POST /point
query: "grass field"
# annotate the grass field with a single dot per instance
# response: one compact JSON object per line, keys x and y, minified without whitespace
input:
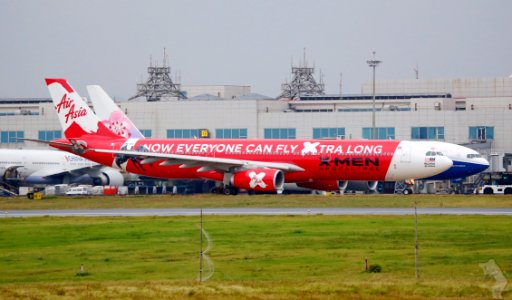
{"x":208,"y":201}
{"x":256,"y":257}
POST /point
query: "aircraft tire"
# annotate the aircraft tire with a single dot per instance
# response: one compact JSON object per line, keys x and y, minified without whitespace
{"x":228,"y":191}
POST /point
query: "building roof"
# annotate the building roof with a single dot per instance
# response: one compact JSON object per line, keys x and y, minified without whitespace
{"x":205,"y":97}
{"x":254,"y":96}
{"x":25,"y":100}
{"x":377,"y":97}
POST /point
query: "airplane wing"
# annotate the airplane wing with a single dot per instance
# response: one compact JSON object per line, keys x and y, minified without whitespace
{"x":77,"y":171}
{"x":50,"y":143}
{"x":205,"y":163}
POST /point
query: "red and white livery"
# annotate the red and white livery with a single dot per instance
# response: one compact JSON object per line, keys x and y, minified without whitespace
{"x":259,"y":164}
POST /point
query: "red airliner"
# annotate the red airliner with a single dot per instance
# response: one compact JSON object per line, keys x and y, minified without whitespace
{"x":256,"y":165}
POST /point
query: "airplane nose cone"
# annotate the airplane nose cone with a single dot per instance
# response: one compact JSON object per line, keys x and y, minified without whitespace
{"x":443,"y":163}
{"x":483,"y":164}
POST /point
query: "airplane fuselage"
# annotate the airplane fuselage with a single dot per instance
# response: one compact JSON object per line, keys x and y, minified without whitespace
{"x":386,"y":160}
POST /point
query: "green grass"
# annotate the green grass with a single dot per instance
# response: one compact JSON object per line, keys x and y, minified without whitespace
{"x":258,"y":257}
{"x":208,"y":201}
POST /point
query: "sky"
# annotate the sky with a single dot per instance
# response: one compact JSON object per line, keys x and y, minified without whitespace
{"x":243,"y":42}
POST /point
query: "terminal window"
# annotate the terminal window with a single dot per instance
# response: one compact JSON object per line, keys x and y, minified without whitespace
{"x":280,"y":133}
{"x":11,"y":137}
{"x":231,"y":133}
{"x":48,"y":135}
{"x":183,"y":133}
{"x":427,"y":133}
{"x":146,"y":132}
{"x":381,"y":133}
{"x":481,"y":133}
{"x":328,"y":132}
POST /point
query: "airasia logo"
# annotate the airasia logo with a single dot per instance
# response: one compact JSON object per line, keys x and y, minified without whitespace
{"x":69,"y":104}
{"x":257,"y":180}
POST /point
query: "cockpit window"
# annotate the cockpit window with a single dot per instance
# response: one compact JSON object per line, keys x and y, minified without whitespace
{"x":474,"y":155}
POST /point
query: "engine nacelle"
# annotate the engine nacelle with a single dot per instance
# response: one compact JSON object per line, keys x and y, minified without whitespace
{"x":324,"y":185}
{"x":109,"y":177}
{"x":267,"y":180}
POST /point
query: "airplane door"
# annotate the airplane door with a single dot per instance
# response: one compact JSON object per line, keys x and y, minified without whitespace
{"x":405,"y":153}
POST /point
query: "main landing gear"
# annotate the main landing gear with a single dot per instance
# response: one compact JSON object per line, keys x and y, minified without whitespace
{"x":226,"y":190}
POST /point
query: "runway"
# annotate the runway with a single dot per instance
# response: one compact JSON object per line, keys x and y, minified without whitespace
{"x":135,"y":212}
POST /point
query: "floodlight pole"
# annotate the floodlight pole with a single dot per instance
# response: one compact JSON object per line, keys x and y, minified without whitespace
{"x":373,"y":63}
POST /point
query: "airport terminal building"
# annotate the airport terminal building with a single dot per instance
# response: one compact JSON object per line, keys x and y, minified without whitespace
{"x":472,"y":112}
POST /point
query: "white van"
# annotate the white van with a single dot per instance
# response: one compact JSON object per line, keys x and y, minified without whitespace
{"x":76,"y":191}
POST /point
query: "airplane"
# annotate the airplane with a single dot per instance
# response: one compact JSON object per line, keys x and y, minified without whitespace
{"x":31,"y":167}
{"x":254,"y":165}
{"x":466,"y":161}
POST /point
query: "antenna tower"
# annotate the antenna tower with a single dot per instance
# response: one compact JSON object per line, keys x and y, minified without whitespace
{"x":159,"y":83}
{"x":303,"y":83}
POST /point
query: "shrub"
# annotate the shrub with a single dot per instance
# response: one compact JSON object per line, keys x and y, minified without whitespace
{"x":374,"y":268}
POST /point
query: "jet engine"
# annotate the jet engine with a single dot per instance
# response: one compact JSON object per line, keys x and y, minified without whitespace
{"x":324,"y":185}
{"x":109,"y":177}
{"x":267,"y":180}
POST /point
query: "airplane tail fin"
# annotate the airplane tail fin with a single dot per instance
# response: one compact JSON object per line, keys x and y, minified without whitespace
{"x":75,"y":116}
{"x":111,"y":115}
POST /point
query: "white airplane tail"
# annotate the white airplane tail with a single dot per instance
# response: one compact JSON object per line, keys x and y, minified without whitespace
{"x":111,"y":115}
{"x":75,"y":116}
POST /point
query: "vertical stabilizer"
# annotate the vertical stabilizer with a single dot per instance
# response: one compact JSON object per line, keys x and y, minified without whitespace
{"x":75,"y":116}
{"x":111,"y":115}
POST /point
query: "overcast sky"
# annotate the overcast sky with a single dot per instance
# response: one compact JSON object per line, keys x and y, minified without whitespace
{"x":241,"y":42}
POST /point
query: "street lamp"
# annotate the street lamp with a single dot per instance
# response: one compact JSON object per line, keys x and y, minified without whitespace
{"x":373,"y":63}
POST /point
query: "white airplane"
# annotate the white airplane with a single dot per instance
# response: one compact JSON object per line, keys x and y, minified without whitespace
{"x":29,"y":167}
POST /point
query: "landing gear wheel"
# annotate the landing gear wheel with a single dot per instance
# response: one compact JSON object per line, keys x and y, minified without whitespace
{"x":229,"y":190}
{"x":407,"y":192}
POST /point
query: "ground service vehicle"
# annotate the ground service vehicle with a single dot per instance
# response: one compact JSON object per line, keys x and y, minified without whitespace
{"x":496,"y":183}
